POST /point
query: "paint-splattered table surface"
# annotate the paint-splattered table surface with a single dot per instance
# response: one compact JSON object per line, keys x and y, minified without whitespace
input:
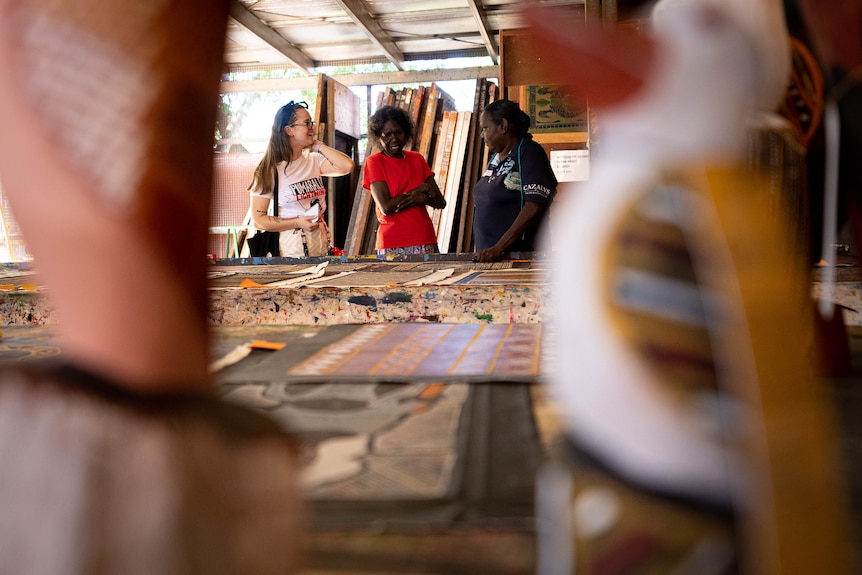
{"x":335,"y":291}
{"x":336,"y":273}
{"x":442,"y":270}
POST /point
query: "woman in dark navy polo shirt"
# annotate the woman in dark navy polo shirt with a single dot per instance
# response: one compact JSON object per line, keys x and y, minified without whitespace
{"x":512,"y":196}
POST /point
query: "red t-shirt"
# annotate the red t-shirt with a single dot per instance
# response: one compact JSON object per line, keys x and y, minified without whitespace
{"x":413,"y":226}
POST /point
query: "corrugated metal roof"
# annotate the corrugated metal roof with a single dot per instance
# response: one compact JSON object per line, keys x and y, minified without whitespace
{"x":310,"y":34}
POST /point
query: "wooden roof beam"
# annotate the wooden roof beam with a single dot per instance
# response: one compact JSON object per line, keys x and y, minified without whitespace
{"x":245,"y":18}
{"x":362,"y":17}
{"x":482,"y":20}
{"x":368,"y":79}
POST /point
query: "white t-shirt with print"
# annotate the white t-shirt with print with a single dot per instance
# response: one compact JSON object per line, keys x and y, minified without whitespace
{"x":299,"y":184}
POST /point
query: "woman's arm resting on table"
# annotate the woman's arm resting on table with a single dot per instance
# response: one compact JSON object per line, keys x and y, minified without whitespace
{"x":526,"y":216}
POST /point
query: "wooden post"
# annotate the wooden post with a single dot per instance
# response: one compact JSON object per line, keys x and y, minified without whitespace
{"x":594,"y":11}
{"x":609,"y":13}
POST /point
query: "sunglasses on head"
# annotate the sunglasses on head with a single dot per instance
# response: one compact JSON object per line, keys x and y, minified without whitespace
{"x":285,"y":113}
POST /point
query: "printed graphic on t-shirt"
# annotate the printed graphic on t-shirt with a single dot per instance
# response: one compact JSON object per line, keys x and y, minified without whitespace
{"x":307,"y":190}
{"x":537,"y":190}
{"x":498,"y":170}
{"x":512,"y":181}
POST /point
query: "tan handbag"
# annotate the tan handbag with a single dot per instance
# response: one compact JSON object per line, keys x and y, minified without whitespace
{"x":317,"y":241}
{"x":290,"y":244}
{"x":300,"y":243}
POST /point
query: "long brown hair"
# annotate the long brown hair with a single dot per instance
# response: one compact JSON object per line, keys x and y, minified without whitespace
{"x":278,"y":148}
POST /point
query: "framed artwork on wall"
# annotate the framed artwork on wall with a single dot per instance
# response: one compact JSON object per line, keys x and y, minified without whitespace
{"x":554,"y":108}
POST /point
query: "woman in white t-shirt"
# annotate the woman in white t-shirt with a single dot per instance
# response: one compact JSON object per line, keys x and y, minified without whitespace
{"x":297,"y":161}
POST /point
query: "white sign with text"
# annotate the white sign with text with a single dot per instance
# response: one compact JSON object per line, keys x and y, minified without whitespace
{"x":571,"y":165}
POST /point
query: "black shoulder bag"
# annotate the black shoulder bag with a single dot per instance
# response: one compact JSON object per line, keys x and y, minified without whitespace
{"x":263,"y":243}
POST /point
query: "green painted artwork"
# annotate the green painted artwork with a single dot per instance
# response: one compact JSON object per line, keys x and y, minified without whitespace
{"x":555,"y":108}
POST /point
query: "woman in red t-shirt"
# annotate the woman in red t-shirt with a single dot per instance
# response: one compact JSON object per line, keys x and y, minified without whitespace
{"x":402,"y":184}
